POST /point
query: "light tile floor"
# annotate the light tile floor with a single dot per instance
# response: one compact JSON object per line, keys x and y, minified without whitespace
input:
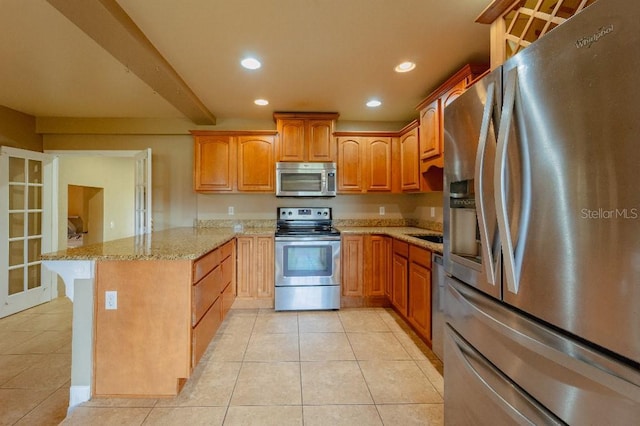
{"x":347,"y":367}
{"x":35,"y":365}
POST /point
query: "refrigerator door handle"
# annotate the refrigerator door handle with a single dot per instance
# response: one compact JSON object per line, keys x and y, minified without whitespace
{"x":485,"y":129}
{"x":500,"y":184}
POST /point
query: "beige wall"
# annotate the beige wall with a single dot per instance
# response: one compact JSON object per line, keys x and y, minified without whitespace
{"x":18,"y":130}
{"x":263,"y":206}
{"x":176,"y":204}
{"x":115,"y":175}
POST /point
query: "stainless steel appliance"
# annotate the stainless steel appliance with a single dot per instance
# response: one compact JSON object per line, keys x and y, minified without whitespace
{"x":542,"y":231}
{"x":305,"y":179}
{"x":307,"y":252}
{"x":437,"y":305}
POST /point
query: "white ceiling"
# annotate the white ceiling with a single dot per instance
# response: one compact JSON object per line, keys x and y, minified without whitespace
{"x":317,"y":55}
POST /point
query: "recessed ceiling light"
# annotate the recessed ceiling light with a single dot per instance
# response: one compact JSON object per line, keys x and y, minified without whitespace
{"x":405,"y":67}
{"x":374,"y":103}
{"x":261,"y":102}
{"x":251,"y":63}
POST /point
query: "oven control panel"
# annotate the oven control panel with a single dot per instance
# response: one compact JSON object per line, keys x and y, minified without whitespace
{"x":304,"y":213}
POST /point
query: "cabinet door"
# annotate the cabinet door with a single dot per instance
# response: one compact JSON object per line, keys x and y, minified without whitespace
{"x":256,"y":166}
{"x":321,"y":146}
{"x":291,"y":133}
{"x":350,"y":164}
{"x":352,"y":252}
{"x":377,"y":263}
{"x":214,"y":163}
{"x":245,"y":266}
{"x":400,"y":266}
{"x":255,"y":267}
{"x":420,"y":298}
{"x":378,"y":164}
{"x":265,"y":263}
{"x":409,"y":164}
{"x":430,"y":138}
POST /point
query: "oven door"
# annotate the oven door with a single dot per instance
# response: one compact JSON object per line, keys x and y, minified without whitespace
{"x":307,"y":261}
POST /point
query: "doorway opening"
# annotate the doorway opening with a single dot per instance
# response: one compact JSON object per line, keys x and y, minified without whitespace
{"x":85,"y":215}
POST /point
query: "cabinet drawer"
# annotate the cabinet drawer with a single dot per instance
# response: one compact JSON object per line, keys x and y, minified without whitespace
{"x":205,"y":293}
{"x":204,"y":331}
{"x":401,"y":248}
{"x":206,"y":263}
{"x":228,"y":297}
{"x":227,"y":270}
{"x":226,"y":250}
{"x":420,"y":256}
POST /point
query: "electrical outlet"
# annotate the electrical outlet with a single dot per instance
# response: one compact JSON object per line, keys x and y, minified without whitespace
{"x":381,"y":210}
{"x":111,"y":300}
{"x":231,"y":211}
{"x":433,"y":212}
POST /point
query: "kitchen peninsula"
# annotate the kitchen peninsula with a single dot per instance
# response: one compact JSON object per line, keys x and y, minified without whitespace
{"x":146,"y":307}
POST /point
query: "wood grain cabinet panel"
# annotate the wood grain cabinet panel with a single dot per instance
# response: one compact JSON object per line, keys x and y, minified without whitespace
{"x":256,"y":165}
{"x":431,"y":116}
{"x":351,"y":164}
{"x":234,"y":161}
{"x":430,"y":140}
{"x":255,"y":271}
{"x":168,"y":311}
{"x":352,"y":253}
{"x":409,"y":161}
{"x":305,"y":136}
{"x":399,"y":269}
{"x":214,"y":163}
{"x":365,"y":163}
{"x":419,"y":309}
{"x":377,"y":283}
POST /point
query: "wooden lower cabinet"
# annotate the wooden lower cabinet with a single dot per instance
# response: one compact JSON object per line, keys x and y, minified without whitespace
{"x":365,"y":270}
{"x":377,"y":266}
{"x":419,"y":309}
{"x":255,"y":271}
{"x":167,"y":313}
{"x":400,"y":277}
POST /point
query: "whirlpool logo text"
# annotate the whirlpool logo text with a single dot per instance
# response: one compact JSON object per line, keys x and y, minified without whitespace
{"x":589,"y":40}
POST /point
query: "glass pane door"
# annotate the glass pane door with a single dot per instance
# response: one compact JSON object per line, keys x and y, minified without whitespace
{"x":22,"y":230}
{"x":143,"y":221}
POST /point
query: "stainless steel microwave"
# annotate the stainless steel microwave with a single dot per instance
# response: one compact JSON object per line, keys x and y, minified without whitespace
{"x":305,"y":179}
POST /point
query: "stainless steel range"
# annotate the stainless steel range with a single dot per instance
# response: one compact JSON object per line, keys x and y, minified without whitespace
{"x":307,"y":260}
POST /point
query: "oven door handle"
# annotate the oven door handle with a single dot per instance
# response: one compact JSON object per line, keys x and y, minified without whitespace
{"x":306,"y":239}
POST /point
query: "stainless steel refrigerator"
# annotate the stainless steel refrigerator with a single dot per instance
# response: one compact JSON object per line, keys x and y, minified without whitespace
{"x":542,"y":231}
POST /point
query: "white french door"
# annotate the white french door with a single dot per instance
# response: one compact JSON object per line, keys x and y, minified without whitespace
{"x":143,"y":220}
{"x":26,"y":220}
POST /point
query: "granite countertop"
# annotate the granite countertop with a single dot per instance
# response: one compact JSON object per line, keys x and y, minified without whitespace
{"x":402,"y":233}
{"x":191,"y":243}
{"x":170,"y":244}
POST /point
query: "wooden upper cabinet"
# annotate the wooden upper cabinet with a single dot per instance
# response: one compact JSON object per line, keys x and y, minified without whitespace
{"x":291,"y":136}
{"x":232,"y":161}
{"x":378,"y":164}
{"x":365,"y":162}
{"x":350,"y":164}
{"x":256,"y":166}
{"x":321,"y":145}
{"x":214,"y":163}
{"x":431,"y":114}
{"x":305,"y":137}
{"x":430,"y":130}
{"x":409,"y":160}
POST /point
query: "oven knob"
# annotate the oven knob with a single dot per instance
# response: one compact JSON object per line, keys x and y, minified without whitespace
{"x":325,"y":213}
{"x":290,"y":213}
